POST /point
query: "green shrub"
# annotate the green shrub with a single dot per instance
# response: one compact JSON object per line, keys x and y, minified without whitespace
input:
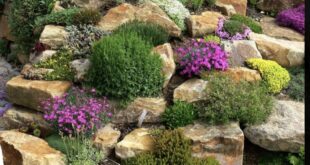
{"x":55,"y":141}
{"x":3,"y":47}
{"x":195,"y":4}
{"x":71,"y":16}
{"x":299,"y":159}
{"x":141,"y":159}
{"x":152,"y":33}
{"x":60,"y":63}
{"x":252,"y":2}
{"x":211,"y":3}
{"x":212,"y":38}
{"x":179,"y":115}
{"x":21,"y":20}
{"x":296,"y":87}
{"x":275,"y":76}
{"x":253,"y":25}
{"x":123,"y":67}
{"x":248,"y":103}
{"x":273,"y":158}
{"x":233,"y":27}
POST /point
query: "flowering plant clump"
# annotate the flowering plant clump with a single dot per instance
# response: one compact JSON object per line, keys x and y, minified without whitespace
{"x":224,"y":34}
{"x":201,"y":55}
{"x":294,"y":17}
{"x":76,"y":111}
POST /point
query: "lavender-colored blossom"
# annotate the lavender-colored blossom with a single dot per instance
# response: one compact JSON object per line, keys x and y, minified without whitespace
{"x":220,"y":31}
{"x":200,"y":55}
{"x":294,"y":18}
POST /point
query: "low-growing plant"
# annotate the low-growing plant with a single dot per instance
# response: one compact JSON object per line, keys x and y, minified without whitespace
{"x":294,"y":18}
{"x":200,"y":55}
{"x":150,"y":32}
{"x":211,"y":3}
{"x":71,"y":16}
{"x":180,"y":114}
{"x":296,"y":87}
{"x":246,"y":102}
{"x":143,"y":159}
{"x":77,"y":111}
{"x":60,"y":63}
{"x":297,"y":159}
{"x":123,"y":67}
{"x":275,"y":76}
{"x":195,"y":4}
{"x":249,"y":22}
{"x":232,"y":30}
{"x":81,"y":38}
{"x":212,"y":38}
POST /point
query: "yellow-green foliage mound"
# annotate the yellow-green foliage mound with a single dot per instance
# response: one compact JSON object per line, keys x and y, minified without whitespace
{"x":275,"y":76}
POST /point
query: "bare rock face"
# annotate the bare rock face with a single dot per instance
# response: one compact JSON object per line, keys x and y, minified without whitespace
{"x":136,"y":142}
{"x":239,"y":5}
{"x":43,"y":56}
{"x":19,"y":148}
{"x":155,"y":107}
{"x":18,"y":117}
{"x":240,"y":50}
{"x":80,"y":66}
{"x":278,"y":5}
{"x":271,"y":29}
{"x":226,"y":9}
{"x":106,"y":139}
{"x":190,"y":91}
{"x":286,"y":53}
{"x":30,"y":93}
{"x":284,"y":130}
{"x":224,"y":142}
{"x":166,"y":54}
{"x":145,"y":12}
{"x":200,"y":25}
{"x":53,"y":36}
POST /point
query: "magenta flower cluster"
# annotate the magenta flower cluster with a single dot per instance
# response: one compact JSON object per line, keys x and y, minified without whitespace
{"x":220,"y":31}
{"x":199,"y":55}
{"x":76,"y":111}
{"x":294,"y":18}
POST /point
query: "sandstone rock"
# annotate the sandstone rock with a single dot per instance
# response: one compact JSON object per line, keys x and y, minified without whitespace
{"x":190,"y":91}
{"x":53,"y":36}
{"x":226,"y":9}
{"x":240,"y":50}
{"x":117,"y":16}
{"x":80,"y":67}
{"x":20,"y":148}
{"x":106,"y":139}
{"x":239,"y":5}
{"x":199,"y":25}
{"x":43,"y":56}
{"x":57,"y":7}
{"x":18,"y":117}
{"x":278,"y":5}
{"x":271,"y":28}
{"x":286,"y":53}
{"x":224,"y":142}
{"x":92,"y":4}
{"x":154,"y":107}
{"x":30,"y":93}
{"x":136,"y":142}
{"x":166,"y":54}
{"x":150,"y":12}
{"x":32,"y":73}
{"x":284,"y":130}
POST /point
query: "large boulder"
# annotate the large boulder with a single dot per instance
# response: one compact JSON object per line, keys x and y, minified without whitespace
{"x":190,"y":91}
{"x":286,"y":53}
{"x":53,"y":36}
{"x":224,"y":142}
{"x":239,"y":51}
{"x":42,"y":56}
{"x":200,"y":25}
{"x":30,"y":93}
{"x":284,"y":130}
{"x":226,"y":9}
{"x":106,"y":139}
{"x":80,"y":67}
{"x":22,"y":149}
{"x":154,"y":107}
{"x":278,"y":5}
{"x":166,"y":54}
{"x":239,"y":5}
{"x":136,"y":142}
{"x":18,"y":117}
{"x":271,"y":28}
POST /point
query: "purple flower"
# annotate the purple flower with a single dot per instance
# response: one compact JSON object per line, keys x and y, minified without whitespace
{"x":294,"y":18}
{"x":225,"y":35}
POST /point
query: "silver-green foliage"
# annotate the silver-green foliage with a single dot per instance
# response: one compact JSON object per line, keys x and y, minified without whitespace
{"x":81,"y":38}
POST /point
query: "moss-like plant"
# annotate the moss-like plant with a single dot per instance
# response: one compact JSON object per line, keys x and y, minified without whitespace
{"x":233,"y":27}
{"x":179,"y":115}
{"x":248,"y":103}
{"x":212,"y":38}
{"x":296,"y":87}
{"x":275,"y":76}
{"x":60,"y":63}
{"x":254,"y":26}
{"x":123,"y":67}
{"x":150,"y":32}
{"x":143,"y":159}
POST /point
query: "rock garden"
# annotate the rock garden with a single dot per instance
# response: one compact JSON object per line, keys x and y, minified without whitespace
{"x":152,"y":82}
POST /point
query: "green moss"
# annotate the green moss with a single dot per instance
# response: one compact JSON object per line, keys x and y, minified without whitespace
{"x":253,"y":25}
{"x":296,"y":87}
{"x":233,"y":27}
{"x":212,"y":38}
{"x":275,"y":76}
